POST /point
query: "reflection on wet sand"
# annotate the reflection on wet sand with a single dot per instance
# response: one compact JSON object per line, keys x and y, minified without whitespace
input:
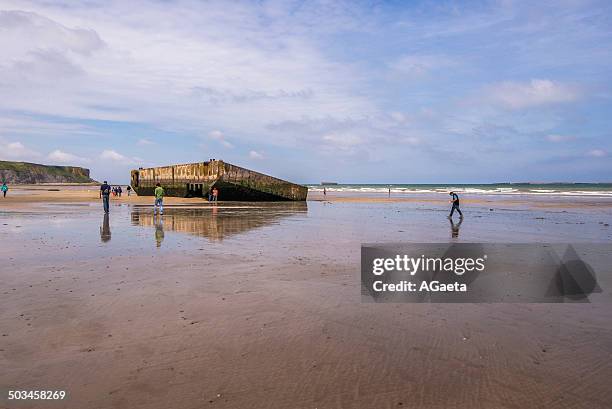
{"x":214,"y":222}
{"x":158,"y":221}
{"x":455,"y":227}
{"x":105,"y":232}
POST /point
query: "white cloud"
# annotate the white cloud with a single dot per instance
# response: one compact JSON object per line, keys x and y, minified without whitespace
{"x":17,"y":151}
{"x":62,"y":157}
{"x":25,"y":30}
{"x":145,"y":142}
{"x":224,"y":64}
{"x":560,"y":138}
{"x":346,"y":142}
{"x":24,"y":125}
{"x":216,"y":134}
{"x":597,"y":153}
{"x":256,"y":155}
{"x":419,"y":65}
{"x":348,"y":136}
{"x":411,"y":140}
{"x":518,"y":95}
{"x":398,"y":117}
{"x":112,"y":155}
{"x":220,"y":137}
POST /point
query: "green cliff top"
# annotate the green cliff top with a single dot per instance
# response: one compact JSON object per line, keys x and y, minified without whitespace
{"x":41,"y":173}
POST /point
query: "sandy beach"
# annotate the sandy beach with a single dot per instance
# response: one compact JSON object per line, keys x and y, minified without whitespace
{"x":257,"y":305}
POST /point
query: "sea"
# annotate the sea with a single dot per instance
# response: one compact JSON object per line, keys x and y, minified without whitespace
{"x":549,"y":189}
{"x":541,"y":189}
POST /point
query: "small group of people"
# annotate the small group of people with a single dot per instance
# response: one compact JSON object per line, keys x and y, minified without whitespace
{"x":106,"y":190}
{"x":4,"y":189}
{"x":116,"y":190}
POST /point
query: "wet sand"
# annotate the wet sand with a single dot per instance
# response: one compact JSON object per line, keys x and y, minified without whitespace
{"x":250,"y":305}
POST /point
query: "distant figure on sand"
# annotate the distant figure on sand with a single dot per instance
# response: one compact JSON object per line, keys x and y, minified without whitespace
{"x":159,"y":199}
{"x":215,"y":194}
{"x":105,"y":191}
{"x":455,"y":201}
{"x":129,"y":189}
{"x":4,"y":189}
{"x":324,"y":192}
{"x":389,"y":191}
{"x":119,"y":190}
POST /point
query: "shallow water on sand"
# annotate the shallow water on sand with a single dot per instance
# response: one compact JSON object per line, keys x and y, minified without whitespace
{"x":273,"y":233}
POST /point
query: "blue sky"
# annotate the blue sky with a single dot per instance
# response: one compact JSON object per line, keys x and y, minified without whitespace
{"x":371,"y":92}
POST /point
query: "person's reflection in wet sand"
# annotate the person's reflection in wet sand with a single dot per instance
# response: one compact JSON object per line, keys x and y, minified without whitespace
{"x":455,"y":227}
{"x":218,"y":222}
{"x":105,"y":232}
{"x":159,"y":229}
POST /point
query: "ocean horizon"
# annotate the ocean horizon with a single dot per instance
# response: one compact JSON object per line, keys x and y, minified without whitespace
{"x":560,"y":189}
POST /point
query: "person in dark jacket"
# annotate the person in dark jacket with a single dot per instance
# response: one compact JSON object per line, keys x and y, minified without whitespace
{"x":455,"y":201}
{"x":105,"y":191}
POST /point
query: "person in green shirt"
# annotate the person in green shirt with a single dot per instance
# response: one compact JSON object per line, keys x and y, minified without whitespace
{"x":159,"y":199}
{"x":4,"y":189}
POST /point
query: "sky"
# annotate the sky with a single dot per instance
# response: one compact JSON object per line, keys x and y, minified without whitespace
{"x":310,"y":91}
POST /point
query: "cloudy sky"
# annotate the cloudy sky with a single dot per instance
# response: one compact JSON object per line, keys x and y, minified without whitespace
{"x":379,"y":92}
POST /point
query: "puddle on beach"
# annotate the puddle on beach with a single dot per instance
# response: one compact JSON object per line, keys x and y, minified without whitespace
{"x":67,"y":230}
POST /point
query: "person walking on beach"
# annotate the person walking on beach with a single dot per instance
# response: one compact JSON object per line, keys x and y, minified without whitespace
{"x":105,"y":191}
{"x":4,"y":189}
{"x":159,"y":199}
{"x":129,"y":189}
{"x":215,"y":194}
{"x":455,"y":201}
{"x":119,"y":190}
{"x":324,"y":192}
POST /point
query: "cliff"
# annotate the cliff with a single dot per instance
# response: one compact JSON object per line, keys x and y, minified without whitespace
{"x":31,"y":173}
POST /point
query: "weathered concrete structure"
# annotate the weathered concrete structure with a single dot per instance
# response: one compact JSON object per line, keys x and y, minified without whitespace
{"x":233,"y":182}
